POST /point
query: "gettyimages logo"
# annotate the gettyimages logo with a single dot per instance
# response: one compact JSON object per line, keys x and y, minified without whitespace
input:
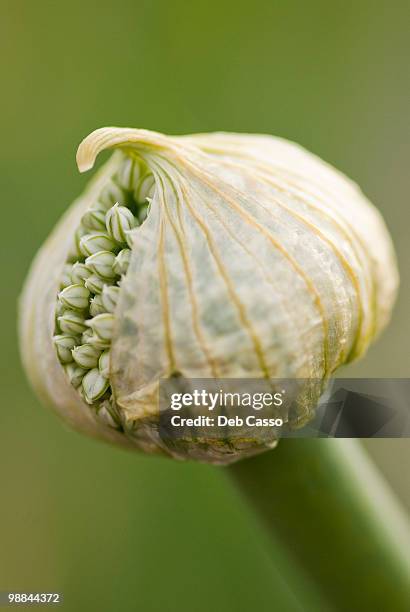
{"x":263,"y":410}
{"x":213,"y":400}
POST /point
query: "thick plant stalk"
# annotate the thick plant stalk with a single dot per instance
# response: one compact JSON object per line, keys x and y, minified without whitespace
{"x":325,"y":501}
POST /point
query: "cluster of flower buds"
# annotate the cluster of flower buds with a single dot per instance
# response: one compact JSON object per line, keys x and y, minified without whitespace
{"x":90,"y":289}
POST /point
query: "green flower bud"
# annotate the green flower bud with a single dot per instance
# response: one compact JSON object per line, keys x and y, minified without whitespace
{"x":64,"y":344}
{"x":94,"y":219}
{"x":111,"y":194}
{"x":104,"y":364}
{"x":86,"y":335}
{"x":96,"y":306}
{"x":122,"y":261}
{"x":107,"y":415}
{"x":129,"y":238}
{"x":79,"y":233}
{"x":102,"y":325}
{"x":98,"y":241}
{"x":66,"y":277}
{"x":145,"y":189}
{"x":109,"y":298}
{"x":79,"y":273}
{"x":101,"y":263}
{"x":103,"y":207}
{"x":75,"y":374}
{"x":75,"y":297}
{"x":127,"y":174}
{"x":86,"y":356}
{"x":75,"y":250}
{"x":143,"y":211}
{"x":98,"y":342}
{"x":95,"y":283}
{"x":94,"y":385}
{"x":60,"y":309}
{"x":72,"y":322}
{"x":119,"y":220}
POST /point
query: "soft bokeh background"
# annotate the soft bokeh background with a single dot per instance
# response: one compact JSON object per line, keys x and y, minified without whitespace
{"x":111,"y":530}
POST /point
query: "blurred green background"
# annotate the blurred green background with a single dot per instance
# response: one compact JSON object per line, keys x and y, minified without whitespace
{"x":109,"y":529}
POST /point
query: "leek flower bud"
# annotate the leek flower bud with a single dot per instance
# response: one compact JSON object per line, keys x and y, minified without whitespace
{"x":104,"y":364}
{"x":94,"y":283}
{"x":101,"y":263}
{"x":87,"y":334}
{"x":253,"y":259}
{"x":109,"y":298}
{"x":79,"y":273}
{"x":94,"y":385}
{"x":122,"y":261}
{"x":97,"y":241}
{"x":66,"y":276}
{"x":145,"y":188}
{"x":75,"y":374}
{"x":102,"y":325}
{"x":143,"y":212}
{"x":119,"y":220}
{"x":86,"y":356}
{"x":64,"y":345}
{"x":96,"y":306}
{"x":72,"y":322}
{"x":98,"y":342}
{"x":75,"y":297}
{"x":94,"y":220}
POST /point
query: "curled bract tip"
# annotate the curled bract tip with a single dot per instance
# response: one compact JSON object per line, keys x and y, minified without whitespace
{"x":114,"y":137}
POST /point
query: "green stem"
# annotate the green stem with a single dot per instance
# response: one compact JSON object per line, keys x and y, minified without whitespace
{"x":325,"y":501}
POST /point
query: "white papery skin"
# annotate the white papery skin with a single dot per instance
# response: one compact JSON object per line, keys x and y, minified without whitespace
{"x":257,"y":260}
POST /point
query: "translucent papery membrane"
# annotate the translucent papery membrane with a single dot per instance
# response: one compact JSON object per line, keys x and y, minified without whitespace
{"x":250,"y":264}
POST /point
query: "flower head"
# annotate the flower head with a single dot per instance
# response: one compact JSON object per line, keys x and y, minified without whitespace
{"x":212,"y":256}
